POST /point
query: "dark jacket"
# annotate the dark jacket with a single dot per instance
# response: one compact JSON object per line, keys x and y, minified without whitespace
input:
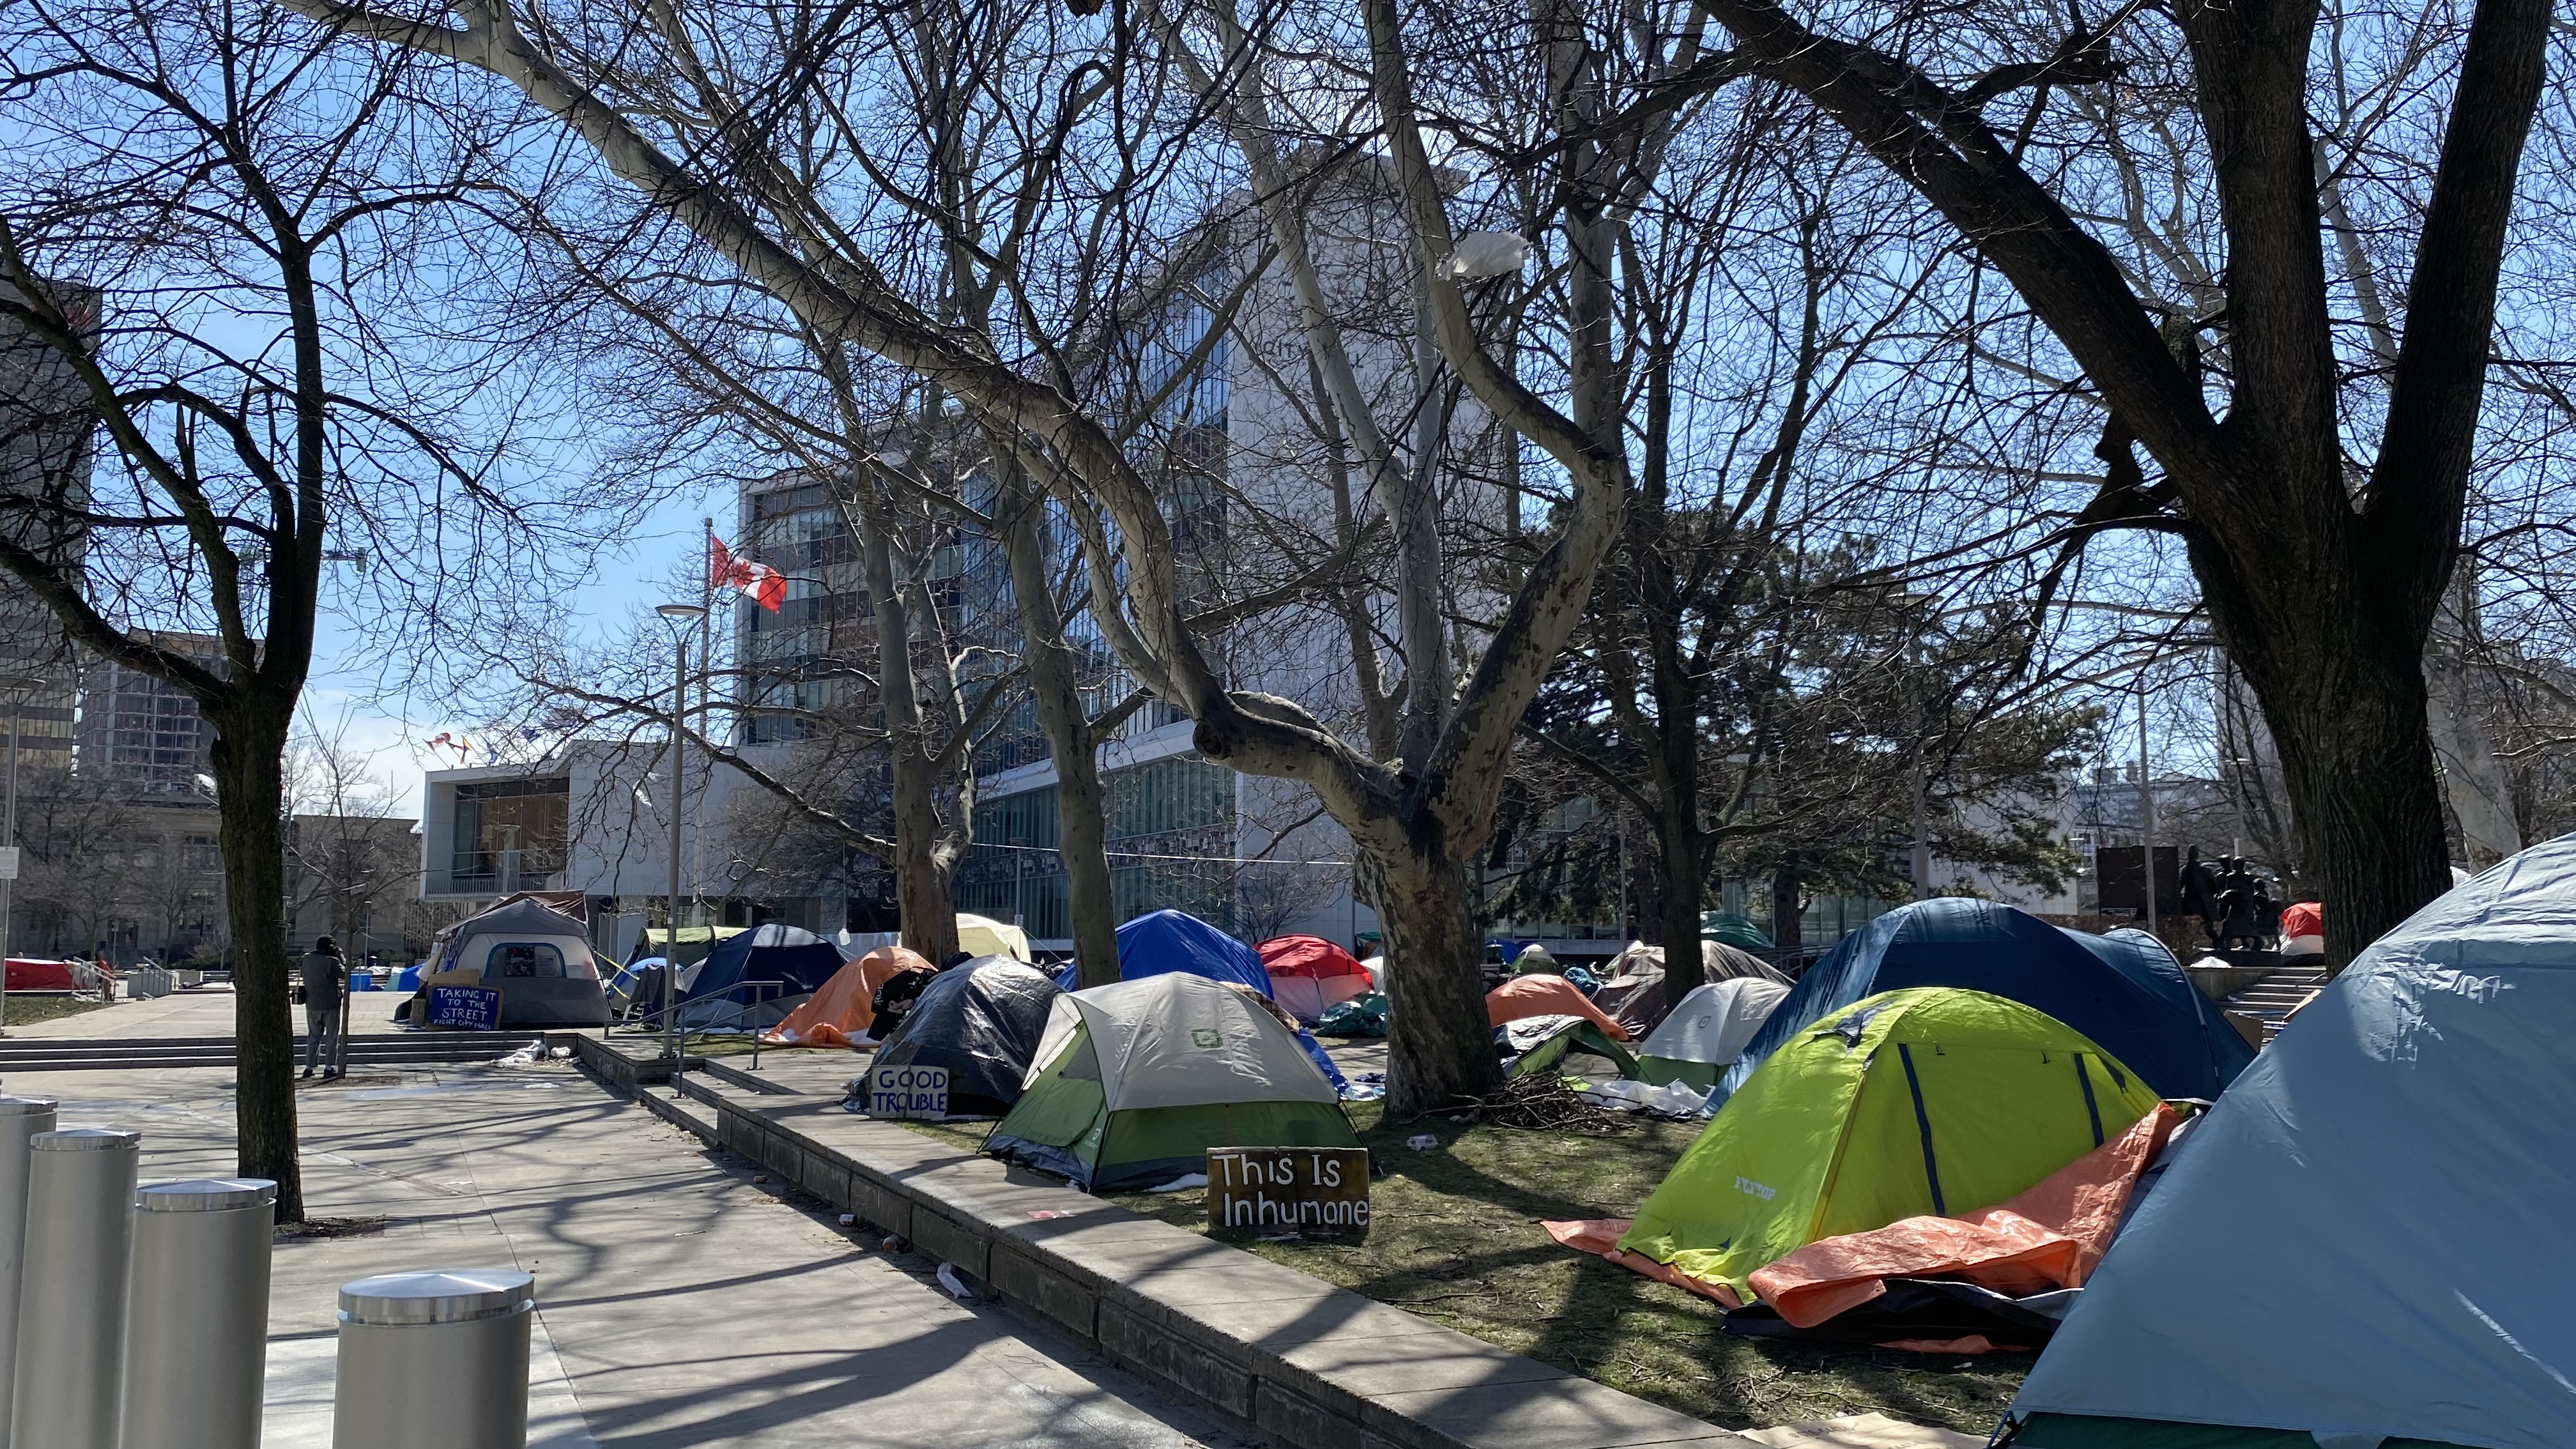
{"x":326,"y":976}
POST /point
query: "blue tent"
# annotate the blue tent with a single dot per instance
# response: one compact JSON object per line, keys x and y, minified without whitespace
{"x":755,"y":978}
{"x":2124,"y":990}
{"x":2366,"y":1240}
{"x":1168,"y":941}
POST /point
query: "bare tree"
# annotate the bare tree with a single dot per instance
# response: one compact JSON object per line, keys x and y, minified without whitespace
{"x":2322,"y":572}
{"x":241,"y":212}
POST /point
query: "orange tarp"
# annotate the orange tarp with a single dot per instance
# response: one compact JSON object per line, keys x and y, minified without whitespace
{"x":1527,"y":996}
{"x":839,"y":1014}
{"x":1600,"y":1237}
{"x":2049,"y":1237}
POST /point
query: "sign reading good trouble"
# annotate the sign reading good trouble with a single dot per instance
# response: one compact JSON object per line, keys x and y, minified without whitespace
{"x":469,"y":1008}
{"x":906,"y":1091}
{"x":1318,"y":1191}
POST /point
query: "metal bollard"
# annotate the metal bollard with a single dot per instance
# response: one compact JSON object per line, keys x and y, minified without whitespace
{"x":80,"y":1235}
{"x":196,"y":1336}
{"x":435,"y":1360}
{"x":21,"y":1118}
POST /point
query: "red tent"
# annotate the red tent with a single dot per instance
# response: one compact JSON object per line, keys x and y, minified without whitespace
{"x":2305,"y":918}
{"x":26,"y":975}
{"x":1309,"y":974}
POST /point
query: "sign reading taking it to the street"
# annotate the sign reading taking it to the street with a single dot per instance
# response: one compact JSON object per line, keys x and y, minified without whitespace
{"x":1315,"y":1191}
{"x":470,"y":1008}
{"x":908,"y":1091}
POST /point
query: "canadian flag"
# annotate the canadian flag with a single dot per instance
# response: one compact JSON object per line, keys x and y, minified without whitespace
{"x":766,"y":586}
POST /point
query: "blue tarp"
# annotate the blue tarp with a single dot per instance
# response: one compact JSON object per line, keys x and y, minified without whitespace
{"x":757,"y":970}
{"x":2366,"y":1238}
{"x":2124,"y":990}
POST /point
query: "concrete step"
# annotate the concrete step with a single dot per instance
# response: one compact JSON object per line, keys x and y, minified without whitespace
{"x":95,"y":1054}
{"x":724,"y":1070}
{"x":685,"y":1112}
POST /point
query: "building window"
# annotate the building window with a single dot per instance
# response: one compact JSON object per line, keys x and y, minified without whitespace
{"x":510,"y":834}
{"x":1182,"y":808}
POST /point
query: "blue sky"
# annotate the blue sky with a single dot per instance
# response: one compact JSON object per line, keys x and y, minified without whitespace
{"x":391,"y":731}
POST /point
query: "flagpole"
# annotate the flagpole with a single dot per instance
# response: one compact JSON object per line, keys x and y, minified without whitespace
{"x":706,"y":662}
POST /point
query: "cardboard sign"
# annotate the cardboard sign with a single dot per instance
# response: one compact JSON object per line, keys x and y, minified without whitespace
{"x":470,"y":1008}
{"x":907,"y":1091}
{"x":1317,"y":1191}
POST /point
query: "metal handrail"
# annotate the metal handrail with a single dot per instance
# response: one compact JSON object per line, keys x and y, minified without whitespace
{"x":658,"y":1022}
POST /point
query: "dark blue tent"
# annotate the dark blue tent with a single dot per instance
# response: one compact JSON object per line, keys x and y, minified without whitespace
{"x":981,"y":1020}
{"x":756,"y":978}
{"x":1168,"y":941}
{"x":2124,"y":990}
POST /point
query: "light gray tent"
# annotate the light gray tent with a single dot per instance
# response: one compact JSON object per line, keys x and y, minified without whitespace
{"x":2366,"y":1240}
{"x":1707,"y":1032}
{"x":537,"y":958}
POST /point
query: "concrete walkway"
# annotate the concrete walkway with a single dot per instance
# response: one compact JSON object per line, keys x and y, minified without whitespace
{"x":679,"y":1304}
{"x":201,"y":1011}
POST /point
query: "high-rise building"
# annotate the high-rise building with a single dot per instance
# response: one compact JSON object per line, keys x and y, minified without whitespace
{"x":141,"y":733}
{"x":45,"y":453}
{"x":1245,"y":484}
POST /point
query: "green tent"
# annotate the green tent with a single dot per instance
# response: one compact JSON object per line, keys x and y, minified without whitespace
{"x":1133,"y":1082}
{"x":1931,"y":1100}
{"x":1732,"y":930}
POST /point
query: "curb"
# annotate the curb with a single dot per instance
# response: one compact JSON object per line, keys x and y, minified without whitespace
{"x":1301,"y":1363}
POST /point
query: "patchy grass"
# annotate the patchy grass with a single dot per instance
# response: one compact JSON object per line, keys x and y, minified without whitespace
{"x":1454,"y":1237}
{"x":26,"y":1009}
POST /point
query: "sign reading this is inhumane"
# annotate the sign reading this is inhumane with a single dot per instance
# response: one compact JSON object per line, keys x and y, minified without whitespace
{"x":908,"y":1091}
{"x":1315,"y":1191}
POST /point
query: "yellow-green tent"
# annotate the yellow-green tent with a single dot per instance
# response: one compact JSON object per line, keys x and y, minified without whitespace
{"x":1931,"y":1100}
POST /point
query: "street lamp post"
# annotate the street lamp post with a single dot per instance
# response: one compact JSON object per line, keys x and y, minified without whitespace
{"x":9,"y":882}
{"x":678,"y":614}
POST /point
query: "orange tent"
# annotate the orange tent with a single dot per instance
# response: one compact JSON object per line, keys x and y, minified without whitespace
{"x":2303,"y":918}
{"x":1527,"y":996}
{"x":839,"y":1014}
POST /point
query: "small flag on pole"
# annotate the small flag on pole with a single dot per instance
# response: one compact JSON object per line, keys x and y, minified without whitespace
{"x":766,"y":586}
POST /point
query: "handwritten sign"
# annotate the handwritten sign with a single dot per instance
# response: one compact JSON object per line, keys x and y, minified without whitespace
{"x":906,"y":1091}
{"x":469,"y":1008}
{"x":1316,"y":1191}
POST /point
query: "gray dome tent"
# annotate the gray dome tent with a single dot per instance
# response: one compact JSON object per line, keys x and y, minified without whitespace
{"x":539,"y":959}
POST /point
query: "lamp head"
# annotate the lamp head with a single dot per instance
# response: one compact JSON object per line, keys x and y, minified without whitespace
{"x":681,"y":611}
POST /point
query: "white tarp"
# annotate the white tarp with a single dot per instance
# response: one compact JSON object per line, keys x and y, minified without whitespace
{"x":1177,"y":1040}
{"x":1713,"y":1023}
{"x":2368,"y":1236}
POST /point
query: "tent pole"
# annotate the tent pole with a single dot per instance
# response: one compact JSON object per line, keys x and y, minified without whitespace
{"x":679,"y":793}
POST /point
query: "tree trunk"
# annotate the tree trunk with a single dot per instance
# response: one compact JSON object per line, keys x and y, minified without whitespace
{"x":2364,"y":795}
{"x":250,"y":799}
{"x":929,"y":914}
{"x":1055,"y":686}
{"x":1787,"y":923}
{"x":1439,"y":1049}
{"x":1680,"y":870}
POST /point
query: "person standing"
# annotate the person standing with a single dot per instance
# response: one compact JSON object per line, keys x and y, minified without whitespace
{"x":106,"y":976}
{"x":326,"y":982}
